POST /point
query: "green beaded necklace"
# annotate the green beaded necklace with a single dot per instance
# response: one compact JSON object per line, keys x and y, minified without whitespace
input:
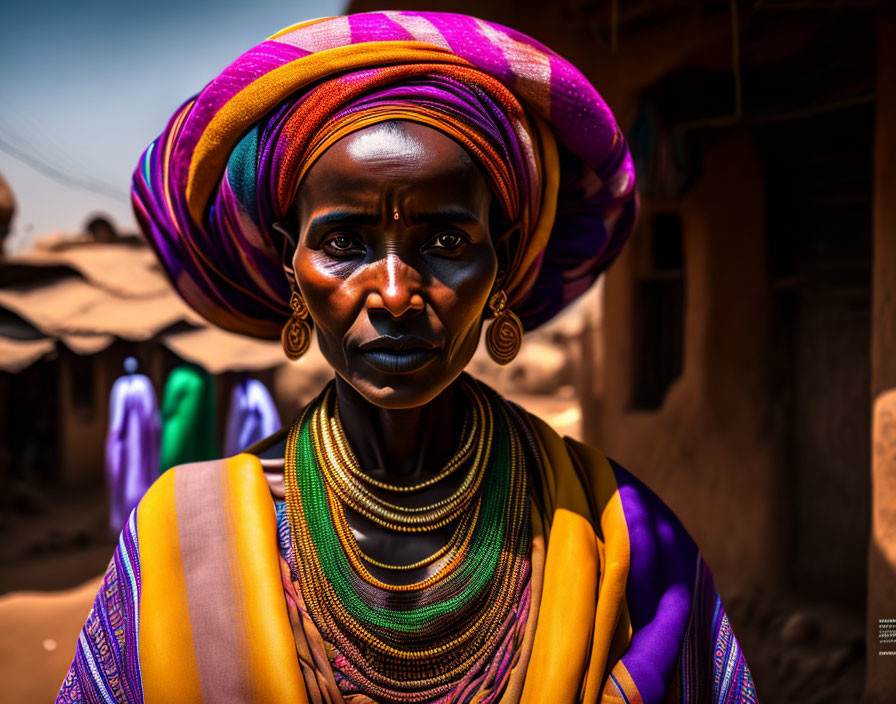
{"x":414,"y":640}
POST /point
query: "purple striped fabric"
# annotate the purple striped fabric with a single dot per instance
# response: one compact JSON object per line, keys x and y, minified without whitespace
{"x":680,"y":632}
{"x":106,"y":667}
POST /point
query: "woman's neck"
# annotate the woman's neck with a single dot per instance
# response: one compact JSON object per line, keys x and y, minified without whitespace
{"x":402,"y":443}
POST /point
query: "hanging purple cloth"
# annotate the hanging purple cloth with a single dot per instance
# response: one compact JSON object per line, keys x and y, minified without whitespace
{"x":252,"y":417}
{"x":132,"y":444}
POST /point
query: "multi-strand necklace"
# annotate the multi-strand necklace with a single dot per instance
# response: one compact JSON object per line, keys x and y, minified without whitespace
{"x":412,"y":642}
{"x":346,"y":479}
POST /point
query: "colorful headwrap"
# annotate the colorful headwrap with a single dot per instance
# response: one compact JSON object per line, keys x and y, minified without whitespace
{"x":227,"y":167}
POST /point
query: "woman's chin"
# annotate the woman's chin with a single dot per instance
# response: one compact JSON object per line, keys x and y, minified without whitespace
{"x":400,"y":388}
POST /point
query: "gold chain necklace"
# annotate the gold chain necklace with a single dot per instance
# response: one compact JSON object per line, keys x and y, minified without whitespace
{"x":460,"y":457}
{"x":336,"y":454}
{"x":450,"y":620}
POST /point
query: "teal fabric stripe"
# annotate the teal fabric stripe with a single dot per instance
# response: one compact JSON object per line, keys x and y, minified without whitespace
{"x":241,"y":170}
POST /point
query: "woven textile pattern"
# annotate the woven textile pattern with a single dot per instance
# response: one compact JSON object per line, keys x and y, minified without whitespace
{"x":726,"y":674}
{"x":106,"y":666}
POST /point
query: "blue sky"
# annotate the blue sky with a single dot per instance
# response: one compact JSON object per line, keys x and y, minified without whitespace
{"x":89,"y":84}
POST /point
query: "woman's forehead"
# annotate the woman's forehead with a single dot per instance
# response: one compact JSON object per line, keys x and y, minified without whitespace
{"x":403,"y":146}
{"x":381,"y":142}
{"x":416,"y":165}
{"x":401,"y":138}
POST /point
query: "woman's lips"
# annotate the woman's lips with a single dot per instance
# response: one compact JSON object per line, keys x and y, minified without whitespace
{"x":402,"y":354}
{"x":398,"y":362}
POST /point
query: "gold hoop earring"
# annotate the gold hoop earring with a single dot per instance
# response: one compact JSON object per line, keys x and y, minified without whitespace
{"x":296,"y":334}
{"x":504,"y":336}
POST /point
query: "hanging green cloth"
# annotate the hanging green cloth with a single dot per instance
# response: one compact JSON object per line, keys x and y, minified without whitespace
{"x":188,"y":418}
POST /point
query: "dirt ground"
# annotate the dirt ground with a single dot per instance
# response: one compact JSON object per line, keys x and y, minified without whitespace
{"x":799,"y":653}
{"x":53,"y":548}
{"x":38,"y":631}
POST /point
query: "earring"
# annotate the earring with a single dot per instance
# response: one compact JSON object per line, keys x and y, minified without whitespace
{"x":504,"y":336}
{"x":296,"y":335}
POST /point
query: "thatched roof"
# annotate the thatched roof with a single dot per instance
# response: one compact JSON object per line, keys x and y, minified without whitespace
{"x":86,"y":294}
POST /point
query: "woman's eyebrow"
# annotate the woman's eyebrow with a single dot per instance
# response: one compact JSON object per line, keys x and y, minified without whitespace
{"x":344,"y":217}
{"x":352,"y":217}
{"x":451,"y":214}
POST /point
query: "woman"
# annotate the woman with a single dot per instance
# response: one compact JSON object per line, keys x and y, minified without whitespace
{"x":393,"y":179}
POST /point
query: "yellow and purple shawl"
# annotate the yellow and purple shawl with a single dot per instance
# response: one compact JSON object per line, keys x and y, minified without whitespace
{"x":209,"y":190}
{"x":197,"y":604}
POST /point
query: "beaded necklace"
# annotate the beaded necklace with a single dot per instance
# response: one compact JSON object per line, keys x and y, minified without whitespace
{"x":414,"y":642}
{"x":469,"y":433}
{"x":336,"y":454}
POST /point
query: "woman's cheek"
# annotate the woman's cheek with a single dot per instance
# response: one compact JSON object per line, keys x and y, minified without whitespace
{"x":321,"y":280}
{"x":474,"y":285}
{"x":477,"y":266}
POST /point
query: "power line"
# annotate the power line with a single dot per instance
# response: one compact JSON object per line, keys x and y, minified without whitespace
{"x":29,"y":133}
{"x":48,"y":170}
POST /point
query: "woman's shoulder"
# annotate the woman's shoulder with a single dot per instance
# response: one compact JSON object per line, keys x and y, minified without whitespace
{"x":588,"y":462}
{"x":572,"y":465}
{"x":668,"y":589}
{"x":204,"y":487}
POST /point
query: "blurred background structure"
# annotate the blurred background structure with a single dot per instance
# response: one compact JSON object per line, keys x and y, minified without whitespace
{"x":739,"y":357}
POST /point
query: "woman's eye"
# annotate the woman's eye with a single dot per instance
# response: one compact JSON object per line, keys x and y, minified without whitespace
{"x":342,"y":244}
{"x":448,"y":241}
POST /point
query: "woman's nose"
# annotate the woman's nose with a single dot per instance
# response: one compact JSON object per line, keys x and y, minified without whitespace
{"x":396,"y":287}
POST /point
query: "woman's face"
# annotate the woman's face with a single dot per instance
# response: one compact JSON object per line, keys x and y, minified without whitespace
{"x":395,"y":260}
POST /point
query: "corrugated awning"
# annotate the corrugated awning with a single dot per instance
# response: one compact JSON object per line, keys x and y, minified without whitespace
{"x":74,"y":306}
{"x":94,"y":293}
{"x":219,"y":351}
{"x":16,"y":355}
{"x":87,"y":344}
{"x":124,"y":270}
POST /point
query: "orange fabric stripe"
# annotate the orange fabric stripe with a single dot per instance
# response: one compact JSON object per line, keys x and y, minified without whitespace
{"x":523,"y":272}
{"x":218,"y":514}
{"x":621,"y":688}
{"x":563,"y":634}
{"x":569,"y":492}
{"x":275,"y":674}
{"x":566,"y":615}
{"x":167,"y":662}
{"x":583,"y":623}
{"x":612,"y":628}
{"x":309,"y":125}
{"x":240,"y":112}
{"x":502,"y":177}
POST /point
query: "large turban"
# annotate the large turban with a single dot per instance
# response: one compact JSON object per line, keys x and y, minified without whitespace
{"x":227,"y":167}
